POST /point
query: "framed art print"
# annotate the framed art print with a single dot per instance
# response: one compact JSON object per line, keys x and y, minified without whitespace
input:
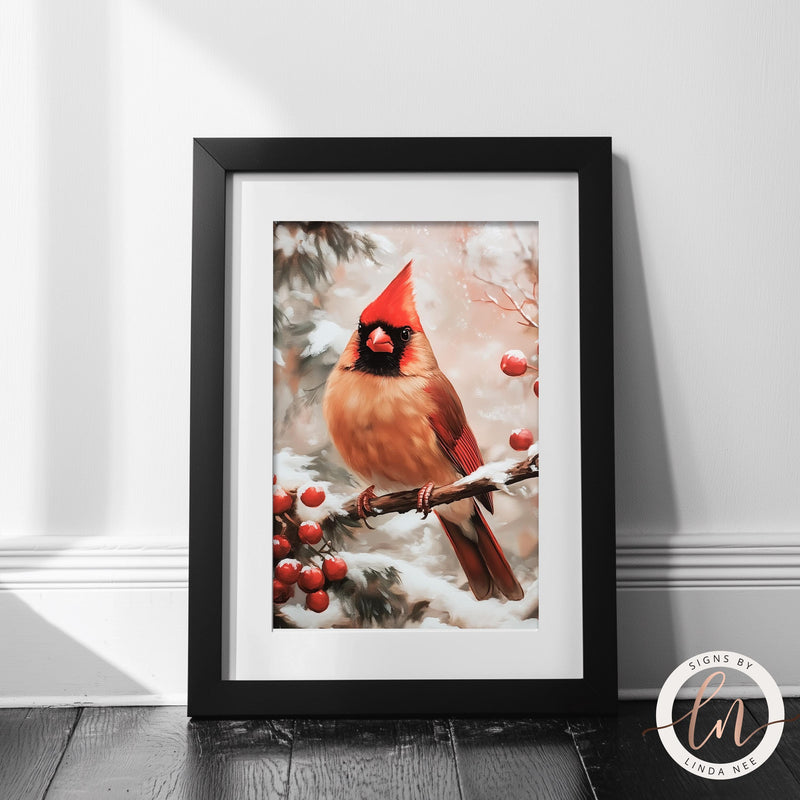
{"x":401,"y":427}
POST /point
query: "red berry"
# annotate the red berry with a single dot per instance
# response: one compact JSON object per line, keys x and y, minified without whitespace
{"x":311,"y":579}
{"x":520,"y":439}
{"x":281,"y":592}
{"x":281,"y":500}
{"x":313,"y":496}
{"x":280,"y":547}
{"x":334,"y":567}
{"x":514,"y":363}
{"x":318,"y":601}
{"x":274,"y":479}
{"x":309,"y":532}
{"x":288,"y":570}
{"x":536,"y":387}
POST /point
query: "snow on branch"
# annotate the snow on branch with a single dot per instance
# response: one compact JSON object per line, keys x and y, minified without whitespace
{"x":487,"y":478}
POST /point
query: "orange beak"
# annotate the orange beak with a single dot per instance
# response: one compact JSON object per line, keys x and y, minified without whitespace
{"x":380,"y":342}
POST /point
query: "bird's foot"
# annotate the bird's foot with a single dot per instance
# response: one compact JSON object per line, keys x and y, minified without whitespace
{"x":364,"y":504}
{"x":424,"y":499}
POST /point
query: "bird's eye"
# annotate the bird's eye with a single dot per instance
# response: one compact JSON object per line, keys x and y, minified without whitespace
{"x":405,"y":334}
{"x":360,"y":326}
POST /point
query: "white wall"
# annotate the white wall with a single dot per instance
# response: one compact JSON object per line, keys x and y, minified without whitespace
{"x":100,"y":102}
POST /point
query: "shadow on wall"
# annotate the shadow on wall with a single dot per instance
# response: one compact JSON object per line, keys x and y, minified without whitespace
{"x":38,"y":654}
{"x":645,"y":491}
{"x":40,"y":661}
{"x":76,"y":362}
{"x":644,"y":467}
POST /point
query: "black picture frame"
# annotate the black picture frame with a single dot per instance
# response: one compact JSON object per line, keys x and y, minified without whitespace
{"x":215,"y":161}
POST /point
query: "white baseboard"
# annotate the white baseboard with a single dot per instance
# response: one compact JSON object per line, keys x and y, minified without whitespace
{"x":90,"y":562}
{"x":88,"y":701}
{"x":725,"y":693}
{"x":708,"y":560}
{"x":93,"y":620}
{"x":682,"y":595}
{"x":102,"y":620}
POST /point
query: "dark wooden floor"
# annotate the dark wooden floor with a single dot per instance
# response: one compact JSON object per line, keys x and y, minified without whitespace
{"x":157,"y":753}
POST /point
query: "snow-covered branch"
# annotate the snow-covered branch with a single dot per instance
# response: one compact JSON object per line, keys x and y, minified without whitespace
{"x":485,"y":479}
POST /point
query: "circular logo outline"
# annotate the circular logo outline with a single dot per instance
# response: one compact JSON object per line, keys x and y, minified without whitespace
{"x":681,"y":755}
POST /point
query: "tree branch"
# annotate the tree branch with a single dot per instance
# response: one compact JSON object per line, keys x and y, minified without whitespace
{"x":516,"y":306}
{"x":400,"y":502}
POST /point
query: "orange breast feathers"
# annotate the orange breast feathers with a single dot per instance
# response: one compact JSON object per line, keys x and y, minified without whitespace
{"x":380,"y":426}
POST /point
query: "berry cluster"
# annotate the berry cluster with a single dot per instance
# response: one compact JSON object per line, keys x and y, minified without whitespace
{"x":515,"y":363}
{"x":289,"y":571}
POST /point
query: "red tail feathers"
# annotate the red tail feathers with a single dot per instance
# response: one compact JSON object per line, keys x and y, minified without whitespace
{"x":495,"y":561}
{"x":483,"y":562}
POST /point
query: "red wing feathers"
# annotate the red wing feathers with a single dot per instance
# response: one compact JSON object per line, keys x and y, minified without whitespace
{"x":453,"y":433}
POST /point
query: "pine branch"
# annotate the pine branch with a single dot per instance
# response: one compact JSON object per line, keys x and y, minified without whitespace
{"x":400,"y":502}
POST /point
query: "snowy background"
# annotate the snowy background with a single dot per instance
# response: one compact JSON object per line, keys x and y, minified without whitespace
{"x":460,"y":271}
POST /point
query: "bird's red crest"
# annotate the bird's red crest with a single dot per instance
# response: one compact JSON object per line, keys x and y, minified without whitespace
{"x":395,"y":304}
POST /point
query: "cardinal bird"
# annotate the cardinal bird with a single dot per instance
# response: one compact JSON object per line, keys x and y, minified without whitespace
{"x":399,"y":424}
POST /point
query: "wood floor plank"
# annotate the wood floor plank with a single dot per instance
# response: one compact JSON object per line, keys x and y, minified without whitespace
{"x":788,"y":750}
{"x":158,"y":754}
{"x":621,"y":763}
{"x":365,"y":759}
{"x":518,"y":759}
{"x":32,"y":741}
